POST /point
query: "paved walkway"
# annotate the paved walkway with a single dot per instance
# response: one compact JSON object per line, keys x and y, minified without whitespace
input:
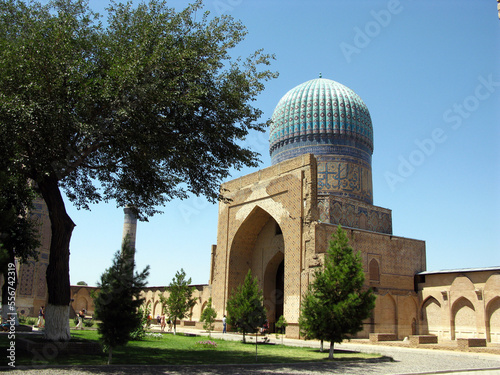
{"x":397,"y":360}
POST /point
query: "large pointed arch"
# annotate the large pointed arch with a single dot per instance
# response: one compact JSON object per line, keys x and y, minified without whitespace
{"x":258,"y":224}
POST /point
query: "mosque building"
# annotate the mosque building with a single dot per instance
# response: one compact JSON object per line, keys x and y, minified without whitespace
{"x":279,"y":220}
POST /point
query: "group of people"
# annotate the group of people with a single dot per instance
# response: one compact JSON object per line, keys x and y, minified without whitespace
{"x":163,"y":321}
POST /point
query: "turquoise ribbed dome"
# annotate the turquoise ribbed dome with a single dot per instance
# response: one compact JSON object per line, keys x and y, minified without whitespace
{"x":315,"y":117}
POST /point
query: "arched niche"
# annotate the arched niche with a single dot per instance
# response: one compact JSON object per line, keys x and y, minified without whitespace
{"x":431,"y":314}
{"x":374,"y":270}
{"x":493,"y":320}
{"x":385,"y":314}
{"x":463,"y":319}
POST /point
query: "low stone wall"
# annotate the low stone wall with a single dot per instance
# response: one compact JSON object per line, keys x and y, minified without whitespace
{"x":423,"y":339}
{"x":469,"y":343}
{"x":377,"y":337}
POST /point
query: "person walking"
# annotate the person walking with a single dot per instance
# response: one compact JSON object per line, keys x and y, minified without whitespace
{"x":81,"y":315}
{"x":163,"y":323}
{"x":224,"y":324}
{"x":41,"y":314}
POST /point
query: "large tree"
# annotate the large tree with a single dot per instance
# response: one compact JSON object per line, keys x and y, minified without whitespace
{"x":245,"y":308}
{"x":145,"y":109}
{"x":336,"y":302}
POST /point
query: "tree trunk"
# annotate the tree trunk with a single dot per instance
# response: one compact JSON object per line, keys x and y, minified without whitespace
{"x":330,"y":355}
{"x":244,"y":337}
{"x":57,"y":311}
{"x":110,"y":354}
{"x":321,"y":346}
{"x":57,"y":323}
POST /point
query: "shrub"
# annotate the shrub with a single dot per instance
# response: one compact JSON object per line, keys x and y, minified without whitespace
{"x":88,"y":323}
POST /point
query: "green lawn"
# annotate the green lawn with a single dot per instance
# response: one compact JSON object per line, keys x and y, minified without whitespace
{"x":182,"y":350}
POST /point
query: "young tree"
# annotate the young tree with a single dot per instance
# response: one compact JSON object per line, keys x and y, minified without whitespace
{"x":143,"y":110}
{"x":208,"y":316}
{"x":180,"y":299}
{"x":281,"y":325}
{"x":336,"y":303}
{"x":245,"y":308}
{"x":117,"y":305}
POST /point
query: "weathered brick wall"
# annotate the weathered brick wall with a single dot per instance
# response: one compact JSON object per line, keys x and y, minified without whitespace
{"x":281,"y":196}
{"x":461,"y":304}
{"x":397,"y":260}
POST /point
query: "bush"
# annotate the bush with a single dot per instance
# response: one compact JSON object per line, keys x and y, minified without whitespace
{"x":31,"y":321}
{"x":88,"y":322}
{"x":140,"y":332}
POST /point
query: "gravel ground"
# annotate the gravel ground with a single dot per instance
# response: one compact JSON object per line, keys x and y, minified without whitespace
{"x":396,"y":360}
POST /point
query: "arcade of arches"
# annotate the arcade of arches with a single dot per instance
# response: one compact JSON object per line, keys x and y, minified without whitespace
{"x":278,"y":222}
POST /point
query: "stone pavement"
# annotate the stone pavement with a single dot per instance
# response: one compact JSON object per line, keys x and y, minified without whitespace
{"x":397,"y":360}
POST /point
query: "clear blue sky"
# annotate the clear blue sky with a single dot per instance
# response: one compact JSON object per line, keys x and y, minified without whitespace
{"x":429,"y":72}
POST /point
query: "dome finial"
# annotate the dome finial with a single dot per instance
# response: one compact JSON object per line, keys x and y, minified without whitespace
{"x":320,"y":75}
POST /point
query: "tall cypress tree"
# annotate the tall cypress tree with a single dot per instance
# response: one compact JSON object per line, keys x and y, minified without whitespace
{"x":336,"y":303}
{"x":245,"y":308}
{"x":118,"y":302}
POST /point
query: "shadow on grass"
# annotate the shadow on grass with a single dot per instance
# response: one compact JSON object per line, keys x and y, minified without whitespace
{"x":226,"y":356}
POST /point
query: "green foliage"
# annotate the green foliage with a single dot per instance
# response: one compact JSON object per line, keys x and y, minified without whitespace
{"x":19,"y":237}
{"x":82,"y":283}
{"x":148,"y":107}
{"x":281,"y":325}
{"x":88,"y":322}
{"x":29,"y":321}
{"x":118,"y":302}
{"x":140,"y":331}
{"x":336,"y":303}
{"x":180,"y":350}
{"x":180,"y":299}
{"x":142,"y":109}
{"x":208,"y":317}
{"x":245,"y":308}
